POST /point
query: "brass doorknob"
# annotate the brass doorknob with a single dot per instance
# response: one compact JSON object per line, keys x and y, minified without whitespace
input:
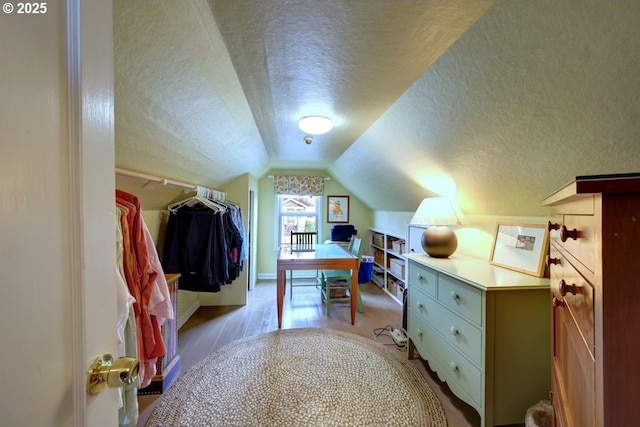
{"x":105,"y":371}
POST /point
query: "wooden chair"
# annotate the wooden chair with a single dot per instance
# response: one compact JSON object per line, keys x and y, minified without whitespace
{"x":339,"y":281}
{"x":302,"y":241}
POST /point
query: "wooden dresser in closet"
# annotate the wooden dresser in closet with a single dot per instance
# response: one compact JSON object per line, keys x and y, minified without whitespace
{"x":594,"y":262}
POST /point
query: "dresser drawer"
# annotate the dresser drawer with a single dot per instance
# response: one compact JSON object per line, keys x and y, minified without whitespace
{"x":576,"y":215}
{"x":459,"y":332}
{"x":583,"y":246}
{"x":573,"y":370}
{"x":568,"y":285}
{"x":556,"y":262}
{"x":461,"y":298}
{"x":418,"y":302}
{"x":449,"y":362}
{"x":423,"y":278}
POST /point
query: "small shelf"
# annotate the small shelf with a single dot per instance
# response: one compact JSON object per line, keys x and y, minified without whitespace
{"x":387,"y":250}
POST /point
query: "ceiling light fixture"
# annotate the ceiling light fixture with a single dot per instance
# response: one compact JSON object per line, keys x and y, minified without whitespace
{"x":315,"y":125}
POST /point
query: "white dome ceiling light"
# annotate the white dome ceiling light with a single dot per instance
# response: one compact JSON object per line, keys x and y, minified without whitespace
{"x":315,"y":125}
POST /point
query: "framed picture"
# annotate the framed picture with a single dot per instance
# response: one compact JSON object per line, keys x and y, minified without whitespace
{"x":337,"y":208}
{"x":520,"y":247}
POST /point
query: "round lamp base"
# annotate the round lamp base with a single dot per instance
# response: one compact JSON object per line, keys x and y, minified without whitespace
{"x":439,"y":241}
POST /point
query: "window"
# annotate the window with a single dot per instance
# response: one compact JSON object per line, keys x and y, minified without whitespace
{"x":297,"y":213}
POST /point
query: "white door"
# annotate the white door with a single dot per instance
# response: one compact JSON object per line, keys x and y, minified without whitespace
{"x":57,"y":241}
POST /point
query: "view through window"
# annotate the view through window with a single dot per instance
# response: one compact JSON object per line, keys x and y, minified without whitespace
{"x":298,"y":213}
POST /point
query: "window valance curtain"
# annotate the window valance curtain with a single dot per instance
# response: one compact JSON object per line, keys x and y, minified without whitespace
{"x":300,"y":185}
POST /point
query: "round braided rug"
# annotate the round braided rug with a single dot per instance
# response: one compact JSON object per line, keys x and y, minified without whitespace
{"x":301,"y":377}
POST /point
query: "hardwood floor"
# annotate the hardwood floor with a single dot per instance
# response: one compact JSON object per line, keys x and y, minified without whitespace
{"x":211,"y":328}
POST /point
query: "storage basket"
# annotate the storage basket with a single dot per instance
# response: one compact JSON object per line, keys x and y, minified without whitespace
{"x":395,"y":288}
{"x":398,"y":246}
{"x":397,"y":267}
{"x":378,"y":257}
{"x":392,"y":287}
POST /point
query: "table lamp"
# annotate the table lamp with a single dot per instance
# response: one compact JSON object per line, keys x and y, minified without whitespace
{"x":436,"y":213}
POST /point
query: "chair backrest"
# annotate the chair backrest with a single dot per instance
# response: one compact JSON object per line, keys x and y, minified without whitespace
{"x":304,"y":240}
{"x":356,"y":247}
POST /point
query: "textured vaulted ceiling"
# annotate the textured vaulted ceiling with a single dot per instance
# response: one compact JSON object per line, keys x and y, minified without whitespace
{"x":503,"y":101}
{"x":208,"y":91}
{"x":348,"y":60}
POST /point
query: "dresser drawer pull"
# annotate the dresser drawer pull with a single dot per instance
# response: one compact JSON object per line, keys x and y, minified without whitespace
{"x":420,"y":277}
{"x":454,"y":331}
{"x":419,"y":332}
{"x":552,"y":226}
{"x":566,"y":234}
{"x":558,"y":303}
{"x":551,"y":260}
{"x":455,"y":296}
{"x":420,"y":305}
{"x":565,"y":288}
{"x":454,"y":366}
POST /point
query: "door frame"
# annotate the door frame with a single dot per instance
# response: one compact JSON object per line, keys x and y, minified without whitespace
{"x":91,"y":151}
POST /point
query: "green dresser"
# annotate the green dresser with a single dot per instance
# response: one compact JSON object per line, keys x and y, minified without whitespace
{"x":484,"y":330}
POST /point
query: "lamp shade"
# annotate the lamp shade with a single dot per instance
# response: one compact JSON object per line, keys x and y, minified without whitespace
{"x":315,"y":125}
{"x":436,"y":213}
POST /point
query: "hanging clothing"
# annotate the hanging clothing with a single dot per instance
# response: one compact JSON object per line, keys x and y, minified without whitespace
{"x":204,"y":245}
{"x":236,"y":217}
{"x":126,"y":328}
{"x":160,"y":304}
{"x":194,"y":246}
{"x":144,"y":278}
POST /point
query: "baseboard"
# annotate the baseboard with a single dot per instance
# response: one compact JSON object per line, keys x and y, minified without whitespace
{"x":185,"y":316}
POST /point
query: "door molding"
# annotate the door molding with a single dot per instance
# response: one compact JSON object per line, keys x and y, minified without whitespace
{"x":76,"y":212}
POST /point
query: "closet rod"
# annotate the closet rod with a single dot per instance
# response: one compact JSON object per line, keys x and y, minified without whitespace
{"x":163,"y":181}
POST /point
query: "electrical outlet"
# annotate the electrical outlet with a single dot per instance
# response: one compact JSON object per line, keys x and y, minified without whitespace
{"x":398,"y":337}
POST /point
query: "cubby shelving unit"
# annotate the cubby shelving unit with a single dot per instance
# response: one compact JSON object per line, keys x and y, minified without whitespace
{"x":389,"y":271}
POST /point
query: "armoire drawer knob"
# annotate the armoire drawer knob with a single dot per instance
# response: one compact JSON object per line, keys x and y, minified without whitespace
{"x":566,"y":288}
{"x":552,"y":226}
{"x":455,"y":296}
{"x":551,"y":260}
{"x":454,"y":331}
{"x":454,"y":366}
{"x":420,"y":305}
{"x":420,"y":277}
{"x":566,"y":234}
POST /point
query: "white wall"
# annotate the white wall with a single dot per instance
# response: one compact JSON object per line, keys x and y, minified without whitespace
{"x":474,"y":239}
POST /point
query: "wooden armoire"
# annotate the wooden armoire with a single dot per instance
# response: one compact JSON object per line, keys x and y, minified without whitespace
{"x":594,"y":262}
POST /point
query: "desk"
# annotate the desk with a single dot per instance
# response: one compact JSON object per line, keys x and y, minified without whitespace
{"x":321,"y":257}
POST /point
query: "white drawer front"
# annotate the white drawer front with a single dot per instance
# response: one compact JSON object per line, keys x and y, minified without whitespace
{"x":423,"y":278}
{"x":460,"y":298}
{"x":418,"y":303}
{"x":451,"y":365}
{"x":459,"y":332}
